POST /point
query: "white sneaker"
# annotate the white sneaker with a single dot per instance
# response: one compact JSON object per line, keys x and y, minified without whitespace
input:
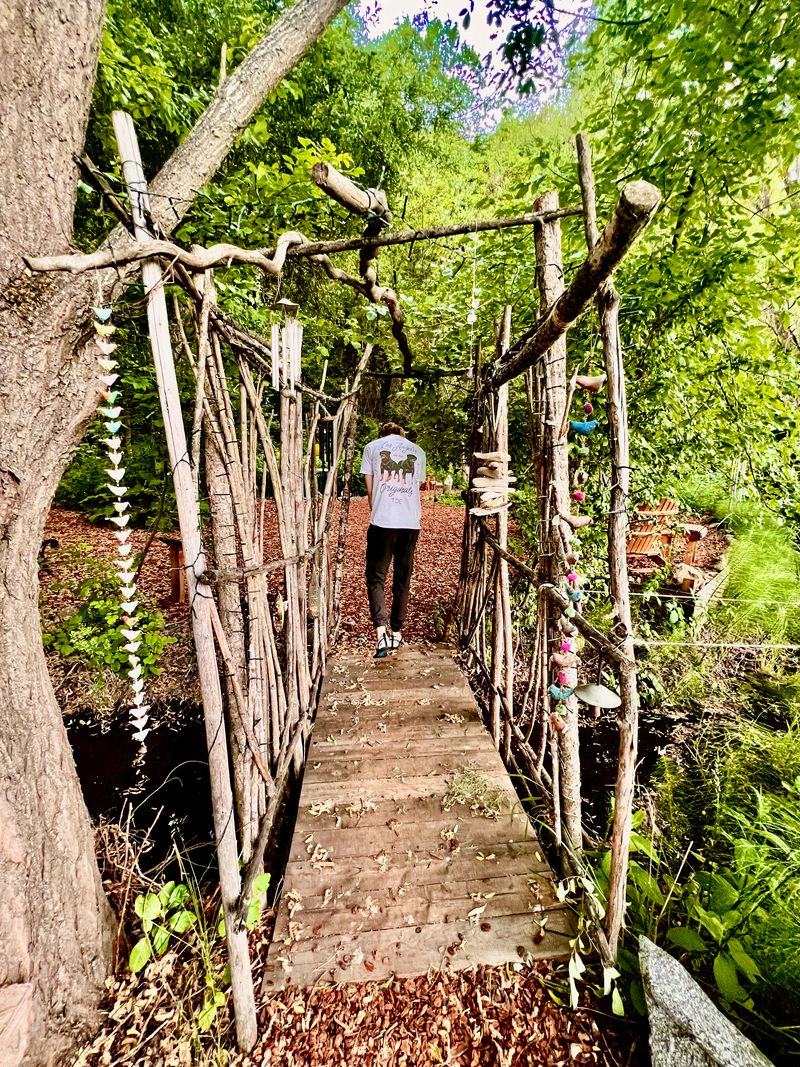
{"x":396,"y":639}
{"x":384,"y":646}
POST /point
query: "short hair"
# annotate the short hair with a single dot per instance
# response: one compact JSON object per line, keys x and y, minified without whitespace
{"x":390,"y":428}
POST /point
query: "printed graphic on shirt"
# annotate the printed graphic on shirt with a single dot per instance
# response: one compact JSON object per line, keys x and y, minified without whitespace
{"x":399,"y":470}
{"x":397,"y":467}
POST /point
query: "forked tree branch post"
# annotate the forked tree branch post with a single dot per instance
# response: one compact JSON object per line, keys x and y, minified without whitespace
{"x":373,"y":204}
{"x":636,"y":206}
{"x":608,"y":311}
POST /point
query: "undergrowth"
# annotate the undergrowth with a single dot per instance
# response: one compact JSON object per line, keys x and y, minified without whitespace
{"x":90,"y":632}
{"x":716,"y":878}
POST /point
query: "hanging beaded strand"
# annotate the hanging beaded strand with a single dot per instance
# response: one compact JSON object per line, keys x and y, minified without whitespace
{"x":111,"y":411}
{"x":560,"y":690}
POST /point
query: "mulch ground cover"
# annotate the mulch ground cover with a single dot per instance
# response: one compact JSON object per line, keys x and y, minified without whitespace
{"x":480,"y":1017}
{"x":69,"y":561}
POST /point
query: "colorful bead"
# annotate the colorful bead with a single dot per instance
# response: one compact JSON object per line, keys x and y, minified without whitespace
{"x":588,"y":408}
{"x":579,"y":496}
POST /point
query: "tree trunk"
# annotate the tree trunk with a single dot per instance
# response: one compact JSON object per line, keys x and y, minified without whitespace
{"x":55,"y":924}
{"x":56,"y":933}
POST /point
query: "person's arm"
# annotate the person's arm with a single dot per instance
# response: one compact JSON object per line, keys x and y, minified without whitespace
{"x":368,"y":483}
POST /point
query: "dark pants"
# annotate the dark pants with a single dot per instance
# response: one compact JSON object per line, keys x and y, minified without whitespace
{"x":385,"y":547}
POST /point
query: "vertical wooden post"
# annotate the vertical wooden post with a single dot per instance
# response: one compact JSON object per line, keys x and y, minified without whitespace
{"x":199,"y":595}
{"x":502,"y":637}
{"x":608,"y":310}
{"x":556,"y":500}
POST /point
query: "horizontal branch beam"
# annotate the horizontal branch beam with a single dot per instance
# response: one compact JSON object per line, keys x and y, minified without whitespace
{"x":407,"y":237}
{"x":199,"y":259}
{"x":290,"y":245}
{"x":635,"y":208}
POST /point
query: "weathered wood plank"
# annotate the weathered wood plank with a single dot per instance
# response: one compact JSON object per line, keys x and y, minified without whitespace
{"x":381,"y":879}
{"x":397,"y":765}
{"x":398,"y":788}
{"x":370,"y":911}
{"x":414,"y":812}
{"x":509,"y":939}
{"x":538,"y":884}
{"x":500,"y":862}
{"x":446,"y":835}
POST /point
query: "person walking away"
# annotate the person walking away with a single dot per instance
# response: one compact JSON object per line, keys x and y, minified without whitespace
{"x":393,"y":468}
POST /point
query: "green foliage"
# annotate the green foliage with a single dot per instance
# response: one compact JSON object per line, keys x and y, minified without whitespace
{"x":718,"y":881}
{"x":176,"y":916}
{"x":164,"y":915}
{"x":92,"y":633}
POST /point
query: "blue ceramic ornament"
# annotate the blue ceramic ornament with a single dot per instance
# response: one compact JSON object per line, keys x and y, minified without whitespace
{"x":560,"y":693}
{"x":102,"y":314}
{"x":576,"y":595}
{"x":584,"y":428}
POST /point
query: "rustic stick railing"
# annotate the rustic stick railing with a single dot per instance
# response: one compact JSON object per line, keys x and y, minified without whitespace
{"x":189,"y":518}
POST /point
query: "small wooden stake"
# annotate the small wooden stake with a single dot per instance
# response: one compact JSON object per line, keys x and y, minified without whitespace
{"x":189,"y":520}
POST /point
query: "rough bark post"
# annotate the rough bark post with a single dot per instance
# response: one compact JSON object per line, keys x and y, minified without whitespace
{"x":556,"y":489}
{"x":199,"y":595}
{"x":226,"y":553}
{"x":628,"y":716}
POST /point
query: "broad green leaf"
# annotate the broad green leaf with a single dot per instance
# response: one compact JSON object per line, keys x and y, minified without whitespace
{"x":147,"y":906}
{"x":726,"y":978}
{"x":617,"y":1005}
{"x":179,"y":895}
{"x":261,"y":884}
{"x":180,"y":922}
{"x":686,"y":938}
{"x":746,"y":964}
{"x":160,"y":939}
{"x":164,"y":893}
{"x":141,"y":953}
{"x":712,"y":923}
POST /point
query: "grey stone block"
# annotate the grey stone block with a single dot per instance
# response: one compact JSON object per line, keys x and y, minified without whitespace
{"x":686,"y":1028}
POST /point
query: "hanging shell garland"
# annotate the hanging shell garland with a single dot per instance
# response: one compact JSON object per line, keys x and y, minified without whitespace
{"x":111,"y":413}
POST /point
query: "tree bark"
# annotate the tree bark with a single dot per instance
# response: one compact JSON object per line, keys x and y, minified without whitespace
{"x":556,"y":488}
{"x":56,"y":930}
{"x":55,"y":924}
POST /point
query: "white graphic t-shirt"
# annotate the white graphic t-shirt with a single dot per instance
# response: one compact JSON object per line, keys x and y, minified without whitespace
{"x":397,"y":467}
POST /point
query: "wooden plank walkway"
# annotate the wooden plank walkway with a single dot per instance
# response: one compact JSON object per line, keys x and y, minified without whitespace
{"x":382,"y":879}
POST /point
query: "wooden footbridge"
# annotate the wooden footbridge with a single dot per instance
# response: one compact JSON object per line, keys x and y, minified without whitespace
{"x":411,"y":850}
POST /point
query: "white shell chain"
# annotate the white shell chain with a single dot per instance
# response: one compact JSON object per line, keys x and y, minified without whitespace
{"x":129,"y":621}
